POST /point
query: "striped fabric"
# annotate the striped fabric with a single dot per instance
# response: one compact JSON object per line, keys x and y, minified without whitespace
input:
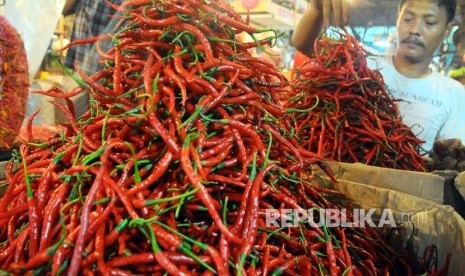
{"x":92,"y":18}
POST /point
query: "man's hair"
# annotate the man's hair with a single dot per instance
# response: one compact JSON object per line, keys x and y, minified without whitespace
{"x":449,"y":5}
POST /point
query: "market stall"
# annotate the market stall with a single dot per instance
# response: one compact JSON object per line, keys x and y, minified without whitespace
{"x":190,"y":153}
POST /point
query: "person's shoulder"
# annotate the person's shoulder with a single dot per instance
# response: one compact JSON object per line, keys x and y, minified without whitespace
{"x":449,"y":83}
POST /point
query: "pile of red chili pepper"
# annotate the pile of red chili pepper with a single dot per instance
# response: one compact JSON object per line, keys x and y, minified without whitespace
{"x":355,"y":119}
{"x":172,"y":170}
{"x":14,"y":83}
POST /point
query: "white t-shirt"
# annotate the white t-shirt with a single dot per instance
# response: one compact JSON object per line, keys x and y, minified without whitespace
{"x":433,"y":106}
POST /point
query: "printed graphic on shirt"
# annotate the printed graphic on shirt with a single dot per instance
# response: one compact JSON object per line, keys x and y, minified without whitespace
{"x":420,"y":99}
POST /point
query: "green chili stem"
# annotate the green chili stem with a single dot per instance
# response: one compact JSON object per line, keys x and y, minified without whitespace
{"x":294,"y":110}
{"x":149,"y":202}
{"x":73,"y":75}
{"x":78,"y":153}
{"x":30,"y":193}
{"x":89,"y":158}
{"x":268,"y":150}
{"x":225,"y":210}
{"x":241,"y":265}
{"x":137,"y":178}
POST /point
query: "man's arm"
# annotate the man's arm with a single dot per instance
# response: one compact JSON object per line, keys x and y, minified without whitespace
{"x":319,"y":14}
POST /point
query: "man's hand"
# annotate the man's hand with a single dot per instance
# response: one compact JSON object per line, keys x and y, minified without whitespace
{"x":319,"y":14}
{"x":447,"y":154}
{"x":337,"y":10}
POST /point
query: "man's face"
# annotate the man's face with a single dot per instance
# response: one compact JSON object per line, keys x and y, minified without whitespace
{"x":421,"y":26}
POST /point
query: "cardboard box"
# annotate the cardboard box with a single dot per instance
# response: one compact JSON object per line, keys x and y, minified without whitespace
{"x":81,"y":105}
{"x":423,"y":185}
{"x":435,"y":224}
{"x":454,"y":190}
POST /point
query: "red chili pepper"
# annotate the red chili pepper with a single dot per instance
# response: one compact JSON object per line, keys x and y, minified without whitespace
{"x":203,"y":194}
{"x":164,"y":22}
{"x":252,"y":212}
{"x":169,"y":139}
{"x":85,"y":215}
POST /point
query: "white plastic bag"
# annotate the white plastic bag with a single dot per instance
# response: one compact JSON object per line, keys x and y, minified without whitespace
{"x":35,"y":21}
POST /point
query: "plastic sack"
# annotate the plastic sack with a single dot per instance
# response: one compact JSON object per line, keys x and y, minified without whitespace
{"x":14,"y":83}
{"x":36,"y":22}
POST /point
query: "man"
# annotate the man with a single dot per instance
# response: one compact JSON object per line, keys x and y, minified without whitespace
{"x":431,"y":102}
{"x":92,"y":18}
